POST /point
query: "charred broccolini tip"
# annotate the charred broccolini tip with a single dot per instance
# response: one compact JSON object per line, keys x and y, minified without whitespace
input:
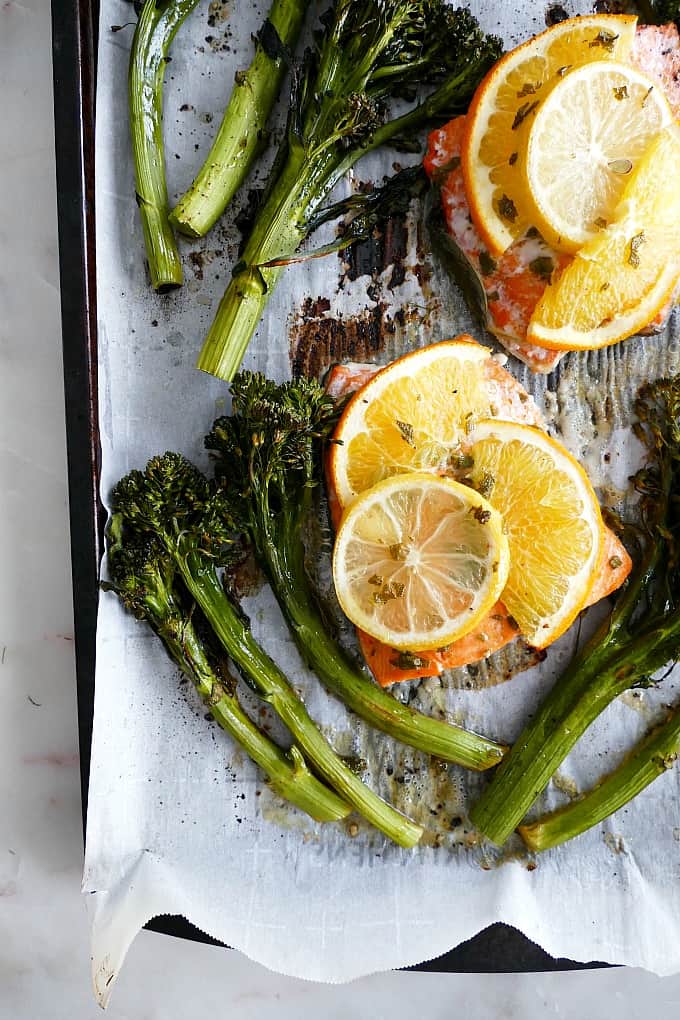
{"x":143,"y":575}
{"x":640,"y":635}
{"x":367,"y":54}
{"x":172,"y":503}
{"x":268,"y":462}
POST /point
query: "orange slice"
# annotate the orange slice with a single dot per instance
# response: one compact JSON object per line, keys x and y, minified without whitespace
{"x":411,"y":416}
{"x":552,"y":520}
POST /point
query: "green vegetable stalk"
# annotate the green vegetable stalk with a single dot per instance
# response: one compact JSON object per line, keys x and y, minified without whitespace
{"x":156,"y":27}
{"x":268,"y":463}
{"x":369,"y":53}
{"x":659,"y":12}
{"x":640,"y":635}
{"x":651,"y":758}
{"x":241,"y":134}
{"x":143,"y":576}
{"x":173,"y":503}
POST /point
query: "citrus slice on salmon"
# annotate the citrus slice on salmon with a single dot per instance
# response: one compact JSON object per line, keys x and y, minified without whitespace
{"x":622,"y":278}
{"x":390,"y":665}
{"x":552,"y":520}
{"x":414,"y":414}
{"x":503,"y":109}
{"x":419,"y":560}
{"x":511,"y":285}
{"x":587,"y":137}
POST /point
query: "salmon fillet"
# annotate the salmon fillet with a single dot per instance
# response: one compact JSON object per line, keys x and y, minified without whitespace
{"x":515,"y":282}
{"x":388,"y":665}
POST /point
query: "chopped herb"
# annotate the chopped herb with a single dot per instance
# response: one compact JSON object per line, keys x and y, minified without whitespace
{"x":615,"y":562}
{"x":377,"y":580}
{"x":513,"y":158}
{"x":393,"y":590}
{"x":523,"y":397}
{"x":493,"y":296}
{"x":636,"y":243}
{"x":487,"y":264}
{"x":461,"y":462}
{"x":523,"y":112}
{"x":529,"y":89}
{"x":533,"y":232}
{"x":604,"y":39}
{"x":512,"y":622}
{"x":600,"y":223}
{"x":485,"y":487}
{"x":542,"y":266}
{"x":621,"y":166}
{"x":605,"y":286}
{"x":408,"y":660}
{"x":406,"y":432}
{"x":398,"y":551}
{"x":621,"y":92}
{"x":646,"y":96}
{"x":480,"y":514}
{"x":507,"y":208}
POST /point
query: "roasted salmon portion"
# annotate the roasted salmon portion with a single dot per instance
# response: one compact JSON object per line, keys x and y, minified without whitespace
{"x":388,"y":665}
{"x":514,"y":283}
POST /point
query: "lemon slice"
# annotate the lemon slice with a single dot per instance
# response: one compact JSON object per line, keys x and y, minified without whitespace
{"x":586,"y":139}
{"x":419,"y":560}
{"x":504,"y":107}
{"x":552,"y":521}
{"x":621,"y":279}
{"x":411,"y":416}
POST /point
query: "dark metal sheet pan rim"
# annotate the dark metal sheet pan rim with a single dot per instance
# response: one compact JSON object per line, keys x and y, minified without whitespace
{"x":497,"y":949}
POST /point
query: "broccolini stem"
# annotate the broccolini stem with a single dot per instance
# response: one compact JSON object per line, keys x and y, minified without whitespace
{"x":278,"y":231}
{"x":598,"y":675}
{"x":287,"y":774}
{"x":284,"y":563}
{"x":265,"y":676}
{"x":240,"y":136}
{"x":653,"y":756}
{"x":155,"y":30}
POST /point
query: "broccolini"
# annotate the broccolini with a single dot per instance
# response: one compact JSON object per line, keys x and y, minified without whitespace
{"x":156,"y":27}
{"x":369,"y":53}
{"x":241,"y":133}
{"x":173,"y":503}
{"x":639,"y":636}
{"x":143,"y":575}
{"x":268,"y":463}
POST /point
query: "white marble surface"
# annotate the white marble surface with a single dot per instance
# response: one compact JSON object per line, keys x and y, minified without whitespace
{"x":44,"y":967}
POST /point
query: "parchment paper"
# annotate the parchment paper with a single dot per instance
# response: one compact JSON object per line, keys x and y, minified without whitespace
{"x":179,"y":820}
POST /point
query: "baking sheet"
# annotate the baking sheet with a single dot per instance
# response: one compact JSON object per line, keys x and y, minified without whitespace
{"x":179,"y":820}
